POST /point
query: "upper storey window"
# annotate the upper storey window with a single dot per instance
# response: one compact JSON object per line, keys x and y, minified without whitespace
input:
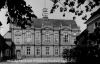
{"x":28,"y":36}
{"x":37,"y":36}
{"x":65,"y":37}
{"x":17,"y":37}
{"x":56,"y":37}
{"x":47,"y":37}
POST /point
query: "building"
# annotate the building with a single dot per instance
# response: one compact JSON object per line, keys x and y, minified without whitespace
{"x":10,"y":50}
{"x":93,"y":21}
{"x":45,"y":38}
{"x":4,"y":49}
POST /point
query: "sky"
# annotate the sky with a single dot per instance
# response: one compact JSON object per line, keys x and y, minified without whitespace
{"x":37,"y":7}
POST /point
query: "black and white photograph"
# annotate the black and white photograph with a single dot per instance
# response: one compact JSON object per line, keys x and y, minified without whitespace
{"x":49,"y":32}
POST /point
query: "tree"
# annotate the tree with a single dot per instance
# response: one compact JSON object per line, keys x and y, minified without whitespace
{"x":75,"y":6}
{"x":87,"y":49}
{"x":18,"y":12}
{"x":0,"y":23}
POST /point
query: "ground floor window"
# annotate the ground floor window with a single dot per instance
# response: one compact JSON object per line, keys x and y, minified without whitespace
{"x":64,"y":49}
{"x":37,"y":50}
{"x":56,"y":50}
{"x":47,"y":50}
{"x":28,"y":50}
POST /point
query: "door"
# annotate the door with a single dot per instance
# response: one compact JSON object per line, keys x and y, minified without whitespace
{"x":18,"y":52}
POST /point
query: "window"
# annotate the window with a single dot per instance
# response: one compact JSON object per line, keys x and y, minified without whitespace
{"x":74,"y":38}
{"x":65,"y":37}
{"x":47,"y":37}
{"x":64,"y":49}
{"x":28,"y":50}
{"x":37,"y":50}
{"x":17,"y":37}
{"x":47,"y":50}
{"x":56,"y":51}
{"x":18,"y":40}
{"x":56,"y":37}
{"x":37,"y":36}
{"x":7,"y":52}
{"x":28,"y":36}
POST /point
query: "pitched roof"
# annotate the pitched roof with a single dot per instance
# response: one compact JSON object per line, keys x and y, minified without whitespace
{"x":8,"y":35}
{"x":94,"y":14}
{"x":54,"y":22}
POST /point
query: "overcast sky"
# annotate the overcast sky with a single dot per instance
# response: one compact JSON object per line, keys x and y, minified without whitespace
{"x":37,"y":6}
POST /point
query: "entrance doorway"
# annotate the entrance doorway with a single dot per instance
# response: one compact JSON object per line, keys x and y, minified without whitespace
{"x":18,"y":53}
